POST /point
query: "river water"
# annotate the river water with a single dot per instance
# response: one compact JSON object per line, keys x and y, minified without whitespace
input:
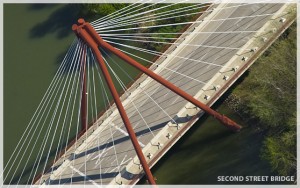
{"x":35,"y":39}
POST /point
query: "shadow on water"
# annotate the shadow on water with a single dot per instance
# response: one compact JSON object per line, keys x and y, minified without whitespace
{"x":60,"y":57}
{"x":41,"y":6}
{"x":59,"y":22}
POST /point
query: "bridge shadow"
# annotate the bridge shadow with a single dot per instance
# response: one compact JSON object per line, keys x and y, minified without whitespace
{"x":139,"y":133}
{"x":82,"y":178}
{"x":118,"y":141}
{"x":59,"y":22}
{"x":125,"y":174}
{"x":125,"y":138}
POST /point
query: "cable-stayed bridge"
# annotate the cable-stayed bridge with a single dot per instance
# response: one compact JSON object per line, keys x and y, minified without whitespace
{"x":156,"y":109}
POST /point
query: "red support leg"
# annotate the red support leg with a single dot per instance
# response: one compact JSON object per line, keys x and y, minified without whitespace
{"x":86,"y":37}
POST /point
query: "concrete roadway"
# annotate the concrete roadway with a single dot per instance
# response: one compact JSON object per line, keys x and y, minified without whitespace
{"x":97,"y":155}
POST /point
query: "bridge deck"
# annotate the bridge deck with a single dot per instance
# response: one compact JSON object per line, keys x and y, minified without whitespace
{"x":96,"y":156}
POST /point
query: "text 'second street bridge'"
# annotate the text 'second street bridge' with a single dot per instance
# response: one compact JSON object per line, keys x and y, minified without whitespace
{"x":140,"y":126}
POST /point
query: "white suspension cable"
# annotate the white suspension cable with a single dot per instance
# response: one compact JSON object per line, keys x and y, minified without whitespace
{"x":29,"y":158}
{"x":157,"y":104}
{"x":37,"y":112}
{"x":36,"y":127}
{"x":71,"y":119}
{"x":87,"y":108}
{"x":113,"y":141}
{"x":112,"y":21}
{"x":67,"y":110}
{"x":163,"y":54}
{"x":48,"y":129}
{"x":126,"y":18}
{"x":121,"y":11}
{"x":78,"y":117}
{"x":42,"y":148}
{"x":182,"y":23}
{"x":145,"y":35}
{"x":152,"y":18}
{"x":160,"y":42}
{"x":125,"y":89}
{"x":65,"y":87}
{"x":174,"y":71}
{"x":96,"y":115}
{"x":99,"y":133}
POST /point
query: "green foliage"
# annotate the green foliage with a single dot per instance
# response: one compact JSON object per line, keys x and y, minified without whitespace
{"x":158,"y":17}
{"x":268,"y":96}
{"x":281,"y":153}
{"x":100,"y":10}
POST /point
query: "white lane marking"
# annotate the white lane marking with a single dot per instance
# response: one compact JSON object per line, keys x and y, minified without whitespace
{"x":114,"y":161}
{"x":175,"y":100}
{"x":113,"y":169}
{"x":124,"y":162}
{"x":88,"y":155}
{"x":83,"y":175}
{"x":98,"y":163}
{"x":119,"y":129}
{"x":213,"y":62}
{"x":137,"y":124}
{"x":126,"y":134}
{"x":141,"y":144}
{"x":100,"y":154}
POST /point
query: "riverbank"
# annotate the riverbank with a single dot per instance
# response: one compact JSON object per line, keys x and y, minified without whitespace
{"x":266,"y":98}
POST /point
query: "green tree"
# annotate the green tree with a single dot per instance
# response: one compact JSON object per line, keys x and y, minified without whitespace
{"x":268,"y":96}
{"x":100,"y":10}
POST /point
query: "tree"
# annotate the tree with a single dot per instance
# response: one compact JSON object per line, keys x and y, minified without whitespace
{"x":268,"y":96}
{"x":100,"y":10}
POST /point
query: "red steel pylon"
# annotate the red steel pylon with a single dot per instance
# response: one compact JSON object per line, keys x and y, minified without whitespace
{"x":87,"y":33}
